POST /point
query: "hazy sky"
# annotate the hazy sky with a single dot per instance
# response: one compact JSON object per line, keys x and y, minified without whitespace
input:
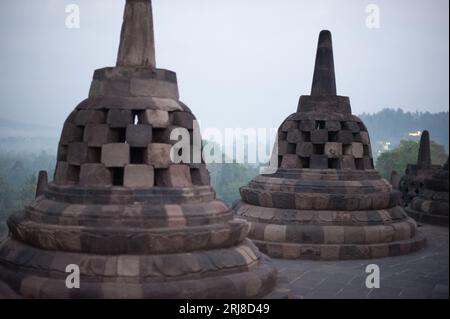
{"x":240,"y":63}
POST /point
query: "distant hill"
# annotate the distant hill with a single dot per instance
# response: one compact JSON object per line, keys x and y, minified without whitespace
{"x":392,"y":126}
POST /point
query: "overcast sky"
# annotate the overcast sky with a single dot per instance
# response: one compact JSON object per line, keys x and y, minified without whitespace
{"x":240,"y":63}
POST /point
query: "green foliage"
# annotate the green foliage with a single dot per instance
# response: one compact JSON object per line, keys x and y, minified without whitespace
{"x":228,"y":178}
{"x":407,"y":153}
{"x":18,"y":179}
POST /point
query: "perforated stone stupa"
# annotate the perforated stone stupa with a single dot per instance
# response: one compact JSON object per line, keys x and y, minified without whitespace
{"x":326,"y":201}
{"x":412,"y":183}
{"x":136,"y":224}
{"x":431,"y":205}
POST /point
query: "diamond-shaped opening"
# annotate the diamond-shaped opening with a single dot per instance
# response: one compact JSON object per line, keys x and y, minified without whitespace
{"x":319,"y":149}
{"x":282,"y":136}
{"x":356,"y":137}
{"x":359,"y":163}
{"x":62,"y":153}
{"x":347,"y":149}
{"x":304,"y":162}
{"x":332,"y":136}
{"x":366,"y":150}
{"x":120,"y":134}
{"x":94,"y":155}
{"x":137,"y":116}
{"x":74,"y":174}
{"x":137,"y":155}
{"x":118,"y":175}
{"x":280,"y":159}
{"x":362,"y":127}
{"x":333,"y":163}
{"x":344,"y":126}
{"x":306,"y":136}
{"x":320,"y":125}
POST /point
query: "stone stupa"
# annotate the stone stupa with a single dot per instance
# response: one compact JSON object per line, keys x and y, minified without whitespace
{"x":137,"y":225}
{"x":412,"y":183}
{"x":431,"y":205}
{"x":326,"y":201}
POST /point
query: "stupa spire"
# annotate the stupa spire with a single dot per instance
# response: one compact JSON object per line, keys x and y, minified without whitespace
{"x":324,"y":81}
{"x":137,"y":44}
{"x":424,"y":158}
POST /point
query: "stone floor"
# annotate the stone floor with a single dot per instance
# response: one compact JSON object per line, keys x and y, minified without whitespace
{"x":420,"y":275}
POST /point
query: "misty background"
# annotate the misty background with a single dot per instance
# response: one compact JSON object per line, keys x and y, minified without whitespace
{"x":240,"y":64}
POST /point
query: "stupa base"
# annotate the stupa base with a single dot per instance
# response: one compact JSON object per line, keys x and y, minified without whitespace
{"x":340,"y":252}
{"x":27,"y":272}
{"x":427,"y":218}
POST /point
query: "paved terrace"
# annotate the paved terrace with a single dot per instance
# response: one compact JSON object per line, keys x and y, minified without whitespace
{"x":423,"y":274}
{"x":420,"y":275}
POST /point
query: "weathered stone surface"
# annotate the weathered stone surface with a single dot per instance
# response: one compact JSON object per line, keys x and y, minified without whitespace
{"x":119,"y":118}
{"x":319,"y":136}
{"x":92,"y":175}
{"x":95,"y":135}
{"x":333,"y":150}
{"x":85,"y":117}
{"x":155,"y":118}
{"x":71,"y":133}
{"x":115,"y":155}
{"x":77,"y":153}
{"x":158,"y":155}
{"x":139,"y":135}
{"x":305,"y":149}
{"x":174,"y":176}
{"x":66,"y":174}
{"x":139,"y":176}
{"x":183,"y":119}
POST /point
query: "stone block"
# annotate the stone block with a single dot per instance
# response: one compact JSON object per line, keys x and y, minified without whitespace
{"x":183,"y":119}
{"x":368,"y":164}
{"x":307,"y":125}
{"x":77,"y":153}
{"x":318,"y":162}
{"x":353,"y":127}
{"x":174,"y":176}
{"x":289,"y":125}
{"x":333,"y":126}
{"x":285,"y":148}
{"x":155,"y":118}
{"x":92,"y":175}
{"x":66,"y":174}
{"x":139,"y":135}
{"x":357,"y":150}
{"x":158,"y":155}
{"x":305,"y":149}
{"x":71,"y":133}
{"x":345,"y":137}
{"x":294,"y":136}
{"x":119,"y":118}
{"x":139,"y":176}
{"x":95,"y":135}
{"x":153,"y":88}
{"x":333,"y":150}
{"x":291,"y":161}
{"x":365,"y":139}
{"x":115,"y":155}
{"x":85,"y":117}
{"x":348,"y":162}
{"x":319,"y":136}
{"x":200,"y":176}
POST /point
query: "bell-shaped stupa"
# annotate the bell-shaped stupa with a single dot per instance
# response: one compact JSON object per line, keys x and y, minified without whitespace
{"x":431,"y":205}
{"x":134,"y":223}
{"x":412,"y":183}
{"x":325,"y":200}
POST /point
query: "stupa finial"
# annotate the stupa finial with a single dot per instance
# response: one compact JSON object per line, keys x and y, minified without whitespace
{"x":324,"y":81}
{"x":424,"y":158}
{"x":137,"y":44}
